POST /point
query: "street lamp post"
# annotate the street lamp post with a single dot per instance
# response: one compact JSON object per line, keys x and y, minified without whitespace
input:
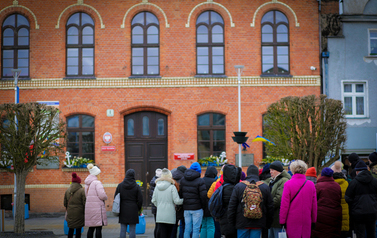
{"x":16,"y":73}
{"x":239,"y":69}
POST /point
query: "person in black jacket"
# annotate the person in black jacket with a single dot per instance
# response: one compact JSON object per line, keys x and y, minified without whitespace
{"x":193,"y":190}
{"x":131,"y":200}
{"x":152,"y":185}
{"x":208,"y":224}
{"x":250,"y":227}
{"x":231,"y":175}
{"x":353,"y":159}
{"x":361,"y":196}
{"x":177,"y":176}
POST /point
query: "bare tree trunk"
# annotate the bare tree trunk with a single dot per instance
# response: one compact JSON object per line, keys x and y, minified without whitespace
{"x":19,"y":225}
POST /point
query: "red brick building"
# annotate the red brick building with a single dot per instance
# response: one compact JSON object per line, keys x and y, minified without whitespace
{"x":158,"y":75}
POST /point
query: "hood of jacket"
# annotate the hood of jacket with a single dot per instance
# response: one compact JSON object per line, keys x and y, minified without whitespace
{"x":90,"y":179}
{"x":364,"y":177}
{"x":252,"y":173}
{"x":338,"y":175}
{"x":163,"y":183}
{"x":74,"y":187}
{"x":129,"y":181}
{"x":211,"y":172}
{"x":177,"y":175}
{"x":285,"y":174}
{"x":230,"y":174}
{"x":191,"y":174}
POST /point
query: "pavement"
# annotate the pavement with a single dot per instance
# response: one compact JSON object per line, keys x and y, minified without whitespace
{"x":52,"y":226}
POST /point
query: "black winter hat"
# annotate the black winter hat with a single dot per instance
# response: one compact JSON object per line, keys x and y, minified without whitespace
{"x":361,"y":166}
{"x":277,"y":165}
{"x":182,"y":168}
{"x":352,"y":158}
{"x":373,"y":157}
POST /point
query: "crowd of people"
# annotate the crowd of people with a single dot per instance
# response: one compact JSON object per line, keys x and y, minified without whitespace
{"x":261,"y":203}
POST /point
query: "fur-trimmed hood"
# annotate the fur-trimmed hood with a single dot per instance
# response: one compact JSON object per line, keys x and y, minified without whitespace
{"x":163,"y":183}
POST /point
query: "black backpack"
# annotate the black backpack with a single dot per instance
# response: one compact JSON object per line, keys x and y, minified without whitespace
{"x":215,"y":204}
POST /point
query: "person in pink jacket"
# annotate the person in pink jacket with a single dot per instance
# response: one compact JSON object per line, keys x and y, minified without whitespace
{"x":298,"y":210}
{"x":95,"y":211}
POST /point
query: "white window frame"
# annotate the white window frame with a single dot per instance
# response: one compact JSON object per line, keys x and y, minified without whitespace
{"x":369,"y":39}
{"x":354,"y":94}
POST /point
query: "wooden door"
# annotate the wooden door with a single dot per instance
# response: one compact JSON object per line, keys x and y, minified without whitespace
{"x":146,"y":146}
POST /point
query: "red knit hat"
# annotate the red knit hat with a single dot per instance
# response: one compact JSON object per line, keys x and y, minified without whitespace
{"x":75,"y":178}
{"x":311,"y":172}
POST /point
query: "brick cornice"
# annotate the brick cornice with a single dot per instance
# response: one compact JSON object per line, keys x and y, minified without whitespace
{"x":173,"y":82}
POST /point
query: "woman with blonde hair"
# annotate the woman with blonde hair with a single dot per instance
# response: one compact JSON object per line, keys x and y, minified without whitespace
{"x":298,"y":210}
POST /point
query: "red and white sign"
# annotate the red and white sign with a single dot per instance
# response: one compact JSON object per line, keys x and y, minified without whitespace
{"x":107,"y":137}
{"x":108,"y":148}
{"x":184,"y":156}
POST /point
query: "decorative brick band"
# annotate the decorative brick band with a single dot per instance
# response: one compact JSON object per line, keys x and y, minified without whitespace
{"x":162,"y":82}
{"x":106,"y":185}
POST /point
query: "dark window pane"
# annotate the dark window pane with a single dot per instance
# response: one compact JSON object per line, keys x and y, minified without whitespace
{"x":87,"y":147}
{"x":280,"y":17}
{"x":359,"y":105}
{"x":219,"y":146}
{"x":73,"y":121}
{"x":203,"y":135}
{"x":8,"y":38}
{"x":23,"y":40}
{"x":74,"y":19}
{"x":87,"y":121}
{"x":21,"y":20}
{"x":86,"y":19}
{"x":152,"y":35}
{"x":348,"y":105}
{"x":203,"y":18}
{"x":88,"y":156}
{"x":139,"y":18}
{"x":8,"y":54}
{"x":348,"y":88}
{"x":87,"y":136}
{"x":373,"y":46}
{"x":130,"y":127}
{"x":219,"y":135}
{"x":8,"y":63}
{"x":145,"y":126}
{"x":268,"y":17}
{"x":203,"y":154}
{"x":204,"y":146}
{"x":7,"y":72}
{"x":216,"y":18}
{"x":218,"y":119}
{"x":359,"y":88}
{"x":202,"y":34}
{"x":152,"y":69}
{"x":151,"y":18}
{"x":23,"y":32}
{"x":203,"y":120}
{"x":73,"y":137}
{"x":160,"y":127}
{"x":73,"y":148}
{"x":8,"y":32}
{"x":11,"y":21}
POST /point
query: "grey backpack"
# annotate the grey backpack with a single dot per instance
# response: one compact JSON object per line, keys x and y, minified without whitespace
{"x":116,"y":205}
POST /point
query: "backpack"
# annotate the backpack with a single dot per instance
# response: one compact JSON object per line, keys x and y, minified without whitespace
{"x":252,"y":198}
{"x":116,"y":205}
{"x":215,"y":204}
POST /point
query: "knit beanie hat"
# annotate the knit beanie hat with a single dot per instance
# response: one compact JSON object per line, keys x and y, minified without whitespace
{"x":266,"y":167}
{"x":311,"y":172}
{"x":277,"y":165}
{"x":327,"y":172}
{"x":75,"y":178}
{"x":165,"y":173}
{"x":182,"y":168}
{"x":352,"y":158}
{"x":337,"y":167}
{"x":196,"y":166}
{"x":361,"y":166}
{"x":243,"y":176}
{"x":93,"y":170}
{"x":373,"y":157}
{"x":158,"y":173}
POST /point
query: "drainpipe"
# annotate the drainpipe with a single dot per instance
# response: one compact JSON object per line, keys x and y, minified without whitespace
{"x":325,"y":59}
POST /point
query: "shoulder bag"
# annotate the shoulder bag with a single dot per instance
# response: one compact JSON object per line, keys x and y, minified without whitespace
{"x":298,"y":191}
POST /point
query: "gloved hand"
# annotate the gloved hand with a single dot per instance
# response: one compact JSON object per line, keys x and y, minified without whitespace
{"x":313,"y":226}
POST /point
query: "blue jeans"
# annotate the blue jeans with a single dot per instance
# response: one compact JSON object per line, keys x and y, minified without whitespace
{"x":123,"y":230}
{"x":273,"y":232}
{"x":249,"y":233}
{"x":193,"y":220}
{"x":208,"y":228}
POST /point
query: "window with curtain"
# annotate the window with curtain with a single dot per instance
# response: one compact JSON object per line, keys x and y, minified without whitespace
{"x":211,"y":134}
{"x":355,"y":99}
{"x":80,"y":142}
{"x":15,"y":45}
{"x":145,"y":45}
{"x":275,"y":44}
{"x":80,"y":46}
{"x":210,"y":44}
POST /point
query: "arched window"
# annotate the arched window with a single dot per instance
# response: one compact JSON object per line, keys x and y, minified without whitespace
{"x":275,"y":44}
{"x":15,"y":45}
{"x":80,"y":141}
{"x":211,"y":134}
{"x":145,"y":45}
{"x":210,"y":44}
{"x":80,"y":45}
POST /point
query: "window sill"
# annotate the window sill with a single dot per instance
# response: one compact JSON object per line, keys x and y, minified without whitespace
{"x":65,"y":169}
{"x":370,"y":58}
{"x":351,"y":117}
{"x":276,"y":76}
{"x":210,"y":76}
{"x":145,"y":77}
{"x":80,"y":77}
{"x":2,"y":170}
{"x":12,"y":79}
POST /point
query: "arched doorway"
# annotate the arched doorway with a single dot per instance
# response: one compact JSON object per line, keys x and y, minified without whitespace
{"x":146,"y":146}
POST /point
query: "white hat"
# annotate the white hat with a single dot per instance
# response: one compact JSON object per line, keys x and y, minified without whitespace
{"x":166,"y":173}
{"x":158,"y":173}
{"x":93,"y":170}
